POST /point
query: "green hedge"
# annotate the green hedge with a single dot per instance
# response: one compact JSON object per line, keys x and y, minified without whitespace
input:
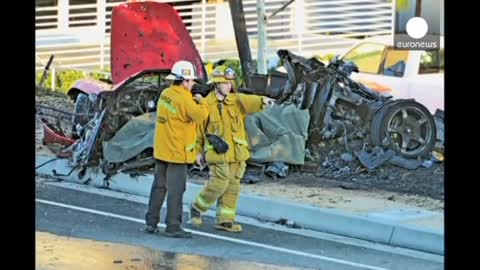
{"x":64,"y":80}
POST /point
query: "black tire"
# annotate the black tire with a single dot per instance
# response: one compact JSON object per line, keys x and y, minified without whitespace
{"x":376,"y":134}
{"x":82,"y":105}
{"x":404,"y":123}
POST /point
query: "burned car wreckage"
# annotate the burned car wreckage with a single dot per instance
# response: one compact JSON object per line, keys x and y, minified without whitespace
{"x":338,"y":106}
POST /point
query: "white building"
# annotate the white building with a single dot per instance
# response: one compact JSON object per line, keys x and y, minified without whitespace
{"x":77,"y":31}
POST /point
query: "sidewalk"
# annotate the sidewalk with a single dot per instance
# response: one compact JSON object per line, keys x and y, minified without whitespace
{"x":405,"y":228}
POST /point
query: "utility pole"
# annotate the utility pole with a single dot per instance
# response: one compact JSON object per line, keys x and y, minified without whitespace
{"x":262,"y":37}
{"x":418,"y":8}
{"x":241,"y":38}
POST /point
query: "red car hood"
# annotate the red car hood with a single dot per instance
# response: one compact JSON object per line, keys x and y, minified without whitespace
{"x":149,"y":36}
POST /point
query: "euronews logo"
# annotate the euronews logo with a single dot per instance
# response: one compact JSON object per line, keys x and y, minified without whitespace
{"x":416,"y":27}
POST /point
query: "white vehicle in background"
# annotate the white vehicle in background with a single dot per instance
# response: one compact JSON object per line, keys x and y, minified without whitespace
{"x":405,"y":74}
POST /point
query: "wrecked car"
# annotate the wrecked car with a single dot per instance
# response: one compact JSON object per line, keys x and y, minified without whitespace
{"x":144,"y":46}
{"x":340,"y":106}
{"x":112,"y":121}
{"x":401,"y":73}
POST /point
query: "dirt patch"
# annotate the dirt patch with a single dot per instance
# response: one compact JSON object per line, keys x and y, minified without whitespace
{"x":358,"y":201}
{"x":421,"y":182}
{"x":328,"y":167}
{"x":327,"y":193}
{"x":54,"y":99}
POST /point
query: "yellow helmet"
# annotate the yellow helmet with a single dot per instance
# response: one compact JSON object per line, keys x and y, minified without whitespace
{"x":222,"y":74}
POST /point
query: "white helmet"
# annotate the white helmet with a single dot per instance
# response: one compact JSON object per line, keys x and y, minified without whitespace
{"x":182,"y":70}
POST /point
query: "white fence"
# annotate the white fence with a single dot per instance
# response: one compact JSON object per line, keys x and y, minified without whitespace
{"x":78,"y":35}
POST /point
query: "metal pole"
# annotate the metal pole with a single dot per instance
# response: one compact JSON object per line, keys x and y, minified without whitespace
{"x":241,"y":38}
{"x":63,"y":11}
{"x":418,"y":8}
{"x":300,"y":20}
{"x":262,"y":38}
{"x":53,"y":79}
{"x":101,"y":19}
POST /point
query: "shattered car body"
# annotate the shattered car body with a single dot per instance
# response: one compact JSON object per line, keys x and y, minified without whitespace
{"x":148,"y":37}
{"x":401,"y":73}
{"x":340,"y":106}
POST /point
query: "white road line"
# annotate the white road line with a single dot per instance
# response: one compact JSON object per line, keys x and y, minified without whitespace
{"x":234,"y":240}
{"x":254,"y":222}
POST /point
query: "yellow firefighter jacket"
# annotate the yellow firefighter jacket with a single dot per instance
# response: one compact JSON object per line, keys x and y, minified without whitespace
{"x":226,"y":119}
{"x":175,"y":131}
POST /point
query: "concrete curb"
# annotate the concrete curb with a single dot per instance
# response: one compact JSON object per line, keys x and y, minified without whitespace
{"x":263,"y":208}
{"x":415,"y":238}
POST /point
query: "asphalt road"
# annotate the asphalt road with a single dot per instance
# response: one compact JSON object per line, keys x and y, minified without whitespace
{"x":64,"y":211}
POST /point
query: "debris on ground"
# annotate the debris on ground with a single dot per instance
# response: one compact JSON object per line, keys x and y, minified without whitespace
{"x":437,"y":156}
{"x":288,"y":223}
{"x":347,"y":157}
{"x":56,"y":100}
{"x":328,"y":169}
{"x":427,"y":163}
{"x":277,"y":169}
{"x":375,"y":158}
{"x":410,"y":164}
{"x":251,"y":178}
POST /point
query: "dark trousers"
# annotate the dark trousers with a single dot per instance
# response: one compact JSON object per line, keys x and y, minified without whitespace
{"x":169,"y":177}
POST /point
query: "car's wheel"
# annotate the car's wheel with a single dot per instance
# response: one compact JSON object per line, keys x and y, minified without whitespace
{"x":405,"y":126}
{"x":82,"y":106}
{"x":376,"y":134}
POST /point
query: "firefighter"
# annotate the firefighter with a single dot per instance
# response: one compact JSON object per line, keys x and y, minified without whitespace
{"x":178,"y":113}
{"x":227,"y":111}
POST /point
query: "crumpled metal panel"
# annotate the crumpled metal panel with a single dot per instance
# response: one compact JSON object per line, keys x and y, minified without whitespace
{"x":50,"y":136}
{"x":90,"y":86}
{"x":149,"y":36}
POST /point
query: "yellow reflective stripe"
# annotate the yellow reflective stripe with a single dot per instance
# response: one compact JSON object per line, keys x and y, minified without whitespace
{"x":203,"y":204}
{"x":226,"y":211}
{"x":208,"y":147}
{"x":240,"y":141}
{"x":191,"y":147}
{"x":167,"y":106}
